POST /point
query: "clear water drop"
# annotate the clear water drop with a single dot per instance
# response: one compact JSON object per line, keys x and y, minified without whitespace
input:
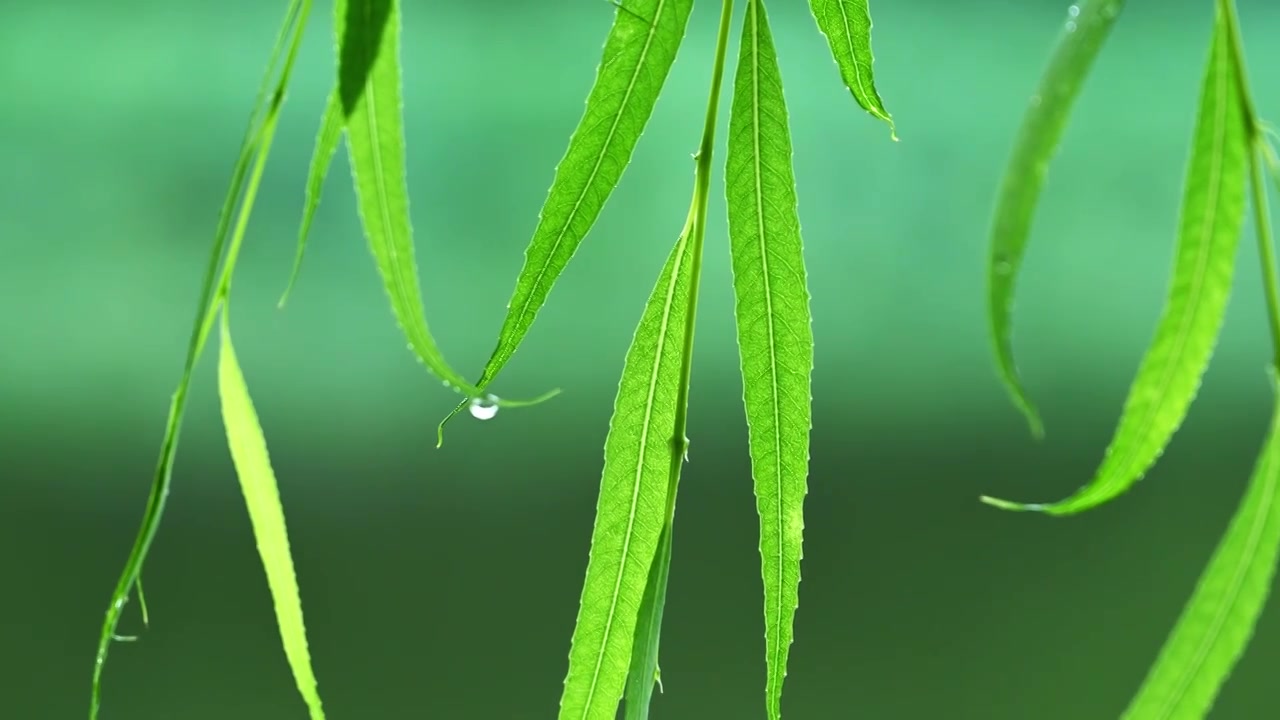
{"x":1071,"y":26}
{"x":1074,"y":11}
{"x":484,"y":407}
{"x":1035,"y":100}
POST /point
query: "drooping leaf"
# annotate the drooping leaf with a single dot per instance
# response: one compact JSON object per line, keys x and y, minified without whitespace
{"x":1209,"y":233}
{"x":1218,"y":621}
{"x":327,"y":141}
{"x":638,"y":54}
{"x":775,"y":340}
{"x":262,"y":498}
{"x":253,"y":152}
{"x":1042,"y":128}
{"x":634,"y":493}
{"x":370,"y":94}
{"x":847,"y":27}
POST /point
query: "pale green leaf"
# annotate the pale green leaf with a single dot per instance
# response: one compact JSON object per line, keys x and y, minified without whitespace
{"x":245,"y":180}
{"x":1042,"y":127}
{"x":638,"y":54}
{"x":775,"y":340}
{"x":1209,"y":233}
{"x":1218,"y":621}
{"x":635,"y":488}
{"x":262,"y":499}
{"x":847,"y":27}
{"x":327,"y":141}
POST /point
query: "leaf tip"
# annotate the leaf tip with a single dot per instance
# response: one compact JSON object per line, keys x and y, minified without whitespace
{"x":1011,"y":505}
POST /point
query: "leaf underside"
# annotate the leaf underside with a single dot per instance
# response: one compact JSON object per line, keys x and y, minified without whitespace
{"x":773,"y":324}
{"x":1038,"y":139}
{"x":262,"y":498}
{"x":634,"y":492}
{"x":637,"y":57}
{"x":1209,"y":233}
{"x":847,"y":27}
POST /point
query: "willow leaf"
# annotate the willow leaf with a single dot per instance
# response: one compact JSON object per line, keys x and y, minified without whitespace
{"x":1038,"y":138}
{"x":327,"y":141}
{"x":775,"y":340}
{"x":1218,"y":621}
{"x":634,"y":492}
{"x":847,"y":27}
{"x":245,"y":178}
{"x":1209,"y":233}
{"x":370,"y":92}
{"x":638,"y":54}
{"x":262,"y":498}
{"x":644,"y":673}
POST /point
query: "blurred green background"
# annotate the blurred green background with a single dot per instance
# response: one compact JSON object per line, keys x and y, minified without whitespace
{"x":444,"y":583}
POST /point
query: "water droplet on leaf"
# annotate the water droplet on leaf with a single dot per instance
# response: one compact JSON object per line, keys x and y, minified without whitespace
{"x":484,"y":407}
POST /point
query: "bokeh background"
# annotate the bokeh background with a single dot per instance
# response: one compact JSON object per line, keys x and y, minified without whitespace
{"x":444,"y":583}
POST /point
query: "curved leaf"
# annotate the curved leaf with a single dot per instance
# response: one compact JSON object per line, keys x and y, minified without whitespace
{"x":638,"y":55}
{"x":369,"y":90}
{"x":262,"y":499}
{"x":1209,"y":233}
{"x":634,"y":493}
{"x":775,"y":340}
{"x":1218,"y":621}
{"x":847,"y":27}
{"x":1038,"y":138}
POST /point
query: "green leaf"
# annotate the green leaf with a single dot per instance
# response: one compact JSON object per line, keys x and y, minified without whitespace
{"x":262,"y":498}
{"x":370,"y":94}
{"x":644,"y":652}
{"x":847,"y":27}
{"x":775,"y":340}
{"x":1218,"y":621}
{"x":638,"y":54}
{"x":1038,"y":138}
{"x":245,"y":179}
{"x":327,"y":141}
{"x":634,"y":492}
{"x":1209,"y":233}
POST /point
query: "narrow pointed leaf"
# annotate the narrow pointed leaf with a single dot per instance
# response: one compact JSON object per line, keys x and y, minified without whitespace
{"x":638,"y":54}
{"x":262,"y":498}
{"x":370,"y":93}
{"x":1218,"y":621}
{"x":643,"y":675}
{"x":775,"y":340}
{"x":1038,"y":139}
{"x":634,"y":492}
{"x":327,"y":141}
{"x":245,"y":178}
{"x":847,"y":27}
{"x":1209,"y":233}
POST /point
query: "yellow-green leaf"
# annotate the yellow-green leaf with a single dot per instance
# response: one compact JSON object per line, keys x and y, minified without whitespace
{"x":262,"y":499}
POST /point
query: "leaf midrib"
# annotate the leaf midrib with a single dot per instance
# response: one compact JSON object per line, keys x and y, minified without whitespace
{"x":640,"y":464}
{"x":595,"y":169}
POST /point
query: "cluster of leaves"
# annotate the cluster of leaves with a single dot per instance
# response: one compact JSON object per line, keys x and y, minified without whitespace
{"x":614,"y":652}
